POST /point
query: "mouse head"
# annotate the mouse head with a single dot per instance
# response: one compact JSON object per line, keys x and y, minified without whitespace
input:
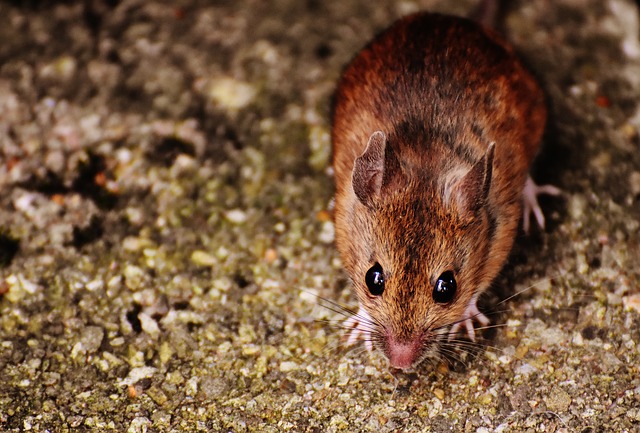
{"x":416,"y":248}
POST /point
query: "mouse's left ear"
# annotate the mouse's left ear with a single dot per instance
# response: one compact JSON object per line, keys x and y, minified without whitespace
{"x":472,"y":191}
{"x":368,"y":169}
{"x":377,"y":171}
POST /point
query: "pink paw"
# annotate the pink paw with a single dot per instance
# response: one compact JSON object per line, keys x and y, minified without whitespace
{"x":471,"y":313}
{"x":360,"y":325}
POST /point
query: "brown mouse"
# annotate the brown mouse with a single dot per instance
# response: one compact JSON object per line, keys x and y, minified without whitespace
{"x":435,"y":125}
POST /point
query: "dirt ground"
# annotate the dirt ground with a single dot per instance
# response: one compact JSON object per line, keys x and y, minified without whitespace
{"x":165,"y":243}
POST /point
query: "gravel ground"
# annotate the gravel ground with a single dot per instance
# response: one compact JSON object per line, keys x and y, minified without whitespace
{"x":165,"y":243}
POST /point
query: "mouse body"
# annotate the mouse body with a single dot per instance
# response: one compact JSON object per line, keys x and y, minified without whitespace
{"x":435,"y":124}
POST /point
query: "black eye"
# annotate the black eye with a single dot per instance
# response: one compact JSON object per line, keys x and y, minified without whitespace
{"x":375,"y":280}
{"x":445,"y":288}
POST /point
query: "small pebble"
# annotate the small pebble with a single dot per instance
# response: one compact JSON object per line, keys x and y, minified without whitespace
{"x":558,"y":400}
{"x":632,"y":302}
{"x":137,"y":374}
{"x":91,"y":338}
{"x":230,"y":93}
{"x":18,"y":287}
{"x":270,"y":255}
{"x":236,"y":216}
{"x":203,"y":258}
{"x":149,"y":325}
{"x":139,"y":425}
{"x":288,"y":366}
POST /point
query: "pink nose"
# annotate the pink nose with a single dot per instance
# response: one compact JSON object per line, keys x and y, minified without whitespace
{"x":403,"y":355}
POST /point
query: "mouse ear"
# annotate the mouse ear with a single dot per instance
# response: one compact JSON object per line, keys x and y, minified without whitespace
{"x":368,"y":170}
{"x":472,"y":190}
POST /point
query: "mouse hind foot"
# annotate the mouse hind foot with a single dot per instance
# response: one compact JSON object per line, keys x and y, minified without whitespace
{"x":530,"y":195}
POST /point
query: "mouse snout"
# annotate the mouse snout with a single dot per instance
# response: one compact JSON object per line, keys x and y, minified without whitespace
{"x":403,"y":354}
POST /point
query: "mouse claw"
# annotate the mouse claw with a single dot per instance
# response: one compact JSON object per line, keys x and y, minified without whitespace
{"x":530,"y":195}
{"x":357,"y":323}
{"x":471,"y":313}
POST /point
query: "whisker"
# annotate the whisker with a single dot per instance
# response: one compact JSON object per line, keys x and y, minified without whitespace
{"x":473,"y":350}
{"x":330,"y":304}
{"x":331,"y":348}
{"x":340,"y":326}
{"x":344,"y":311}
{"x":339,"y":309}
{"x":455,"y":342}
{"x":477,"y":349}
{"x":453,"y":357}
{"x":497,"y":325}
{"x":532,"y":286}
{"x":463,"y":319}
{"x":455,"y":348}
{"x":356,"y":351}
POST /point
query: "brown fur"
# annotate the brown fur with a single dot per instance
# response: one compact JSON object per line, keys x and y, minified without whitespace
{"x":441,"y":89}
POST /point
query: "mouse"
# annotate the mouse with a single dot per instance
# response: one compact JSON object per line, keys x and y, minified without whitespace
{"x":435,"y":125}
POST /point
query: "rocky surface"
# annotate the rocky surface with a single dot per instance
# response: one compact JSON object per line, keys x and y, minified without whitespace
{"x":165,"y":244}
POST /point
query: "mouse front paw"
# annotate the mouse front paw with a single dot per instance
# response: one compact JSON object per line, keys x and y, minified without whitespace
{"x":360,"y":325}
{"x":530,"y":195}
{"x":471,"y":314}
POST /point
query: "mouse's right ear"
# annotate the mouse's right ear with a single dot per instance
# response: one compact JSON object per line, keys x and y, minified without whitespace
{"x":368,"y":170}
{"x":472,"y":191}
